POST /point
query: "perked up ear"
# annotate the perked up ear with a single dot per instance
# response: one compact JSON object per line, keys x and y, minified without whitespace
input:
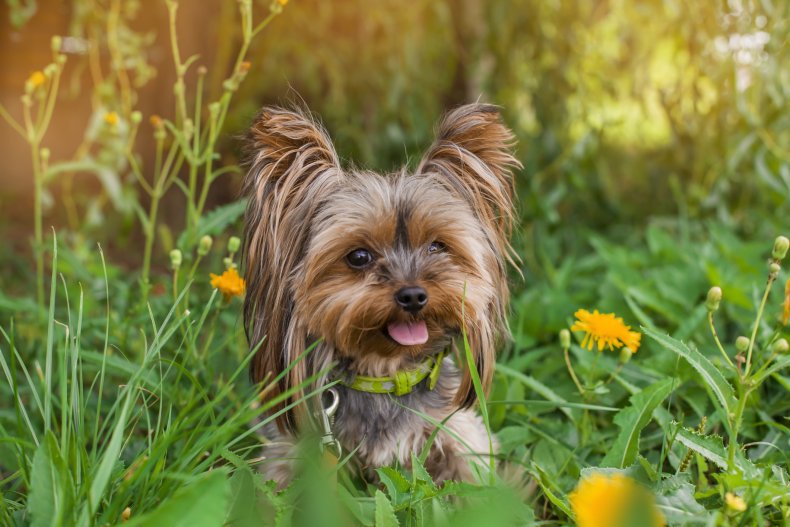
{"x":292,"y":167}
{"x":473,"y":156}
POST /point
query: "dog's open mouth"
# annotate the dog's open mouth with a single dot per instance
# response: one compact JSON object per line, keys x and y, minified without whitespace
{"x":408,"y":333}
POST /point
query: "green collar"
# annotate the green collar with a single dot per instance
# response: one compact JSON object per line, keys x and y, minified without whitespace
{"x":403,"y":381}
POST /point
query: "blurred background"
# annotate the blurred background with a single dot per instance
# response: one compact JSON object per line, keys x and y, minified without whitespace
{"x":625,"y":112}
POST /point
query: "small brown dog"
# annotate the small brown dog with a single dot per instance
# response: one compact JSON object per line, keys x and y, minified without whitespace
{"x":384,"y":272}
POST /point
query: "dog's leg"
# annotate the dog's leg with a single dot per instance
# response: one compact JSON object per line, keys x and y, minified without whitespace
{"x":279,"y":456}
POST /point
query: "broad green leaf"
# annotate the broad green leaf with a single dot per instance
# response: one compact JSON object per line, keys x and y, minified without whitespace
{"x":675,"y":500}
{"x":45,"y":501}
{"x":201,"y":504}
{"x":632,"y":420}
{"x":710,"y":374}
{"x":710,"y":447}
{"x":385,"y":515}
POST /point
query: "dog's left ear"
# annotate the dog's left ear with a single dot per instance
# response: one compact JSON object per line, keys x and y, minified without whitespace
{"x":473,"y":157}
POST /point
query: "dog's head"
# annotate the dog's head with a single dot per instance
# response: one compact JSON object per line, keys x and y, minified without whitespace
{"x":380,"y":267}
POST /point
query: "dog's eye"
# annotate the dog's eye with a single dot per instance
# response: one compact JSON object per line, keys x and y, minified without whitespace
{"x":359,"y":258}
{"x":436,"y":247}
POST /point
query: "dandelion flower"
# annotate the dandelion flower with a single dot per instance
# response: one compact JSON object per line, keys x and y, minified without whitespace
{"x":282,"y":2}
{"x":229,"y":283}
{"x":111,"y":118}
{"x":786,"y":305}
{"x":36,"y":80}
{"x":734,"y":502}
{"x":605,"y":330}
{"x":602,"y":500}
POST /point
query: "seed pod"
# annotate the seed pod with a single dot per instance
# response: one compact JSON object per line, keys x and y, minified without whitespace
{"x":774,"y":268}
{"x":742,"y":343}
{"x":625,"y":355}
{"x":781,"y":244}
{"x":565,"y":339}
{"x":713,"y":299}
{"x":175,"y":259}
{"x":205,"y":245}
{"x":780,"y":346}
{"x":233,"y":244}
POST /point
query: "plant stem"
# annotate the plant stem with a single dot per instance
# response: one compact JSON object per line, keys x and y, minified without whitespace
{"x":573,"y":373}
{"x":38,"y":191}
{"x":771,"y":278}
{"x":718,"y":342}
{"x":735,"y":424}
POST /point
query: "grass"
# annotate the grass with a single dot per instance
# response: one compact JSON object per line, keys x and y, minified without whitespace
{"x":149,"y":415}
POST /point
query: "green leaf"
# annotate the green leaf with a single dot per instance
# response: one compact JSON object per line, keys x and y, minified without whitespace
{"x":215,"y":222}
{"x":201,"y":504}
{"x":50,"y":487}
{"x":710,"y":447}
{"x":779,"y":364}
{"x":632,"y":420}
{"x":710,"y":374}
{"x":675,"y":500}
{"x":385,"y":515}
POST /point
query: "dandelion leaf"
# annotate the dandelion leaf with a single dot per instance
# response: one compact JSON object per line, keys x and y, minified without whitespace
{"x":632,"y":420}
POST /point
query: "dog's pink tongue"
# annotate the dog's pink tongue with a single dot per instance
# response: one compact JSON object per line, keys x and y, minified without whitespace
{"x":408,"y":333}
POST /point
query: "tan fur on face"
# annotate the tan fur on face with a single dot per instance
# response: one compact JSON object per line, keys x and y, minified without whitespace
{"x":305,"y":215}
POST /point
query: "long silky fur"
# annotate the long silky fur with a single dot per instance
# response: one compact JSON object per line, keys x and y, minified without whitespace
{"x":473,"y":152}
{"x":292,"y":165}
{"x":305,"y":213}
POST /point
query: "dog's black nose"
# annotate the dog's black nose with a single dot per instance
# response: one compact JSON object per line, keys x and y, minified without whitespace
{"x":412,"y":299}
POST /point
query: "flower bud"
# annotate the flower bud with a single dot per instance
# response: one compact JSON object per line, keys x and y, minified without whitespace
{"x":50,"y":70}
{"x":175,"y":259}
{"x":126,"y":514}
{"x":213,"y":109}
{"x":205,"y":245}
{"x":625,"y":354}
{"x":56,"y":43}
{"x":780,"y":346}
{"x":565,"y":339}
{"x":202,"y":70}
{"x":60,"y":60}
{"x":233,"y":244}
{"x":189,"y":128}
{"x":45,"y":154}
{"x":781,"y":245}
{"x":742,"y":343}
{"x":156,"y":121}
{"x":713,"y":299}
{"x":227,"y":262}
{"x":774,"y":268}
{"x":136,"y":117}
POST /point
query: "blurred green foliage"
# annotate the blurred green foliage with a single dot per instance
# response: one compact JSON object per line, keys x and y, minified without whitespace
{"x":622,"y":110}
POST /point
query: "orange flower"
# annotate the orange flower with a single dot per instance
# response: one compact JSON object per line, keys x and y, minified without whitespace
{"x":786,"y":305}
{"x":605,"y":330}
{"x":601,"y":500}
{"x":111,"y":118}
{"x":36,"y":80}
{"x":229,"y":283}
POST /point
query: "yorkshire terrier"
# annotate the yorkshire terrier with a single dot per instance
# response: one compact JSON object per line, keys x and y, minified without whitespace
{"x":385,"y":272}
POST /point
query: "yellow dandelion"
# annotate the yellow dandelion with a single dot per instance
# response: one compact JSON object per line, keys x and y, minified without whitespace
{"x":282,"y":2}
{"x":111,"y":118}
{"x":601,"y":500}
{"x":786,"y":305}
{"x":605,"y":330}
{"x":734,"y":502}
{"x":229,"y":283}
{"x":36,"y":80}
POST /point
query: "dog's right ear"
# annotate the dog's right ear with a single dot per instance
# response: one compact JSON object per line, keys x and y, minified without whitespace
{"x":292,"y":167}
